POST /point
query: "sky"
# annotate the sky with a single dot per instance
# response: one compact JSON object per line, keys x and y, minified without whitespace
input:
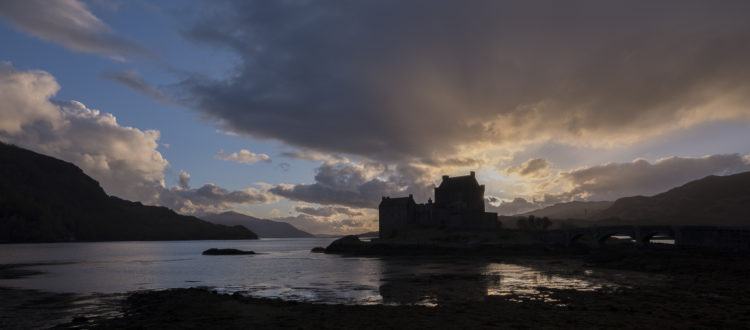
{"x":309,"y":112}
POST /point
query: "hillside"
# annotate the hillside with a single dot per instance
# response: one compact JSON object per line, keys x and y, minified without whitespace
{"x":571,"y":210}
{"x":264,"y":228}
{"x":43,"y":199}
{"x":713,"y":200}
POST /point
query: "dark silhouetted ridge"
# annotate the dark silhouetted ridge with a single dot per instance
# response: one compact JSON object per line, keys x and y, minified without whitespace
{"x":713,"y":200}
{"x":263,"y":227}
{"x":43,"y":199}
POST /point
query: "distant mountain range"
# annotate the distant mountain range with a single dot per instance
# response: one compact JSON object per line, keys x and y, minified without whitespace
{"x":44,"y":199}
{"x":263,"y":227}
{"x":711,"y":201}
{"x":362,"y":235}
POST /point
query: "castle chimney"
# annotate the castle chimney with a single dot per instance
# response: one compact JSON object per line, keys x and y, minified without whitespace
{"x":445,"y":177}
{"x":410,"y":196}
{"x":472,"y":174}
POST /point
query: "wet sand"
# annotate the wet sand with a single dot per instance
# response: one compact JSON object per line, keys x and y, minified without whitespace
{"x":32,"y":309}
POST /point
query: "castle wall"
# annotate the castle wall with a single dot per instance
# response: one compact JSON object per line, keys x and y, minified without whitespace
{"x":395,"y":218}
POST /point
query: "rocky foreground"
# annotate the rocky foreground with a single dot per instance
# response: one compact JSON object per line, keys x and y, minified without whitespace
{"x":706,"y":291}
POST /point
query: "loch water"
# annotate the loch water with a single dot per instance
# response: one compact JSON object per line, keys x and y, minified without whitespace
{"x":286,"y":269}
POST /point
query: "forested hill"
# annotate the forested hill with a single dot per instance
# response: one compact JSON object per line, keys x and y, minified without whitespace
{"x":44,"y":199}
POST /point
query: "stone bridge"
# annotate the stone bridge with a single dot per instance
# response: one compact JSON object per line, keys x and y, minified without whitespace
{"x":725,"y":238}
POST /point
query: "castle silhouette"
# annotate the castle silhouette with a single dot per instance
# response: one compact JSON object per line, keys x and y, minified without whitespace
{"x":459,"y":204}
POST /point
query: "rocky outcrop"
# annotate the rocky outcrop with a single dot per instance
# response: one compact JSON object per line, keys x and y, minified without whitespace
{"x":225,"y":252}
{"x":346,"y":244}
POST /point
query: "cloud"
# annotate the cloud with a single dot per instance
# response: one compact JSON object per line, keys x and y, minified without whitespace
{"x":327,"y":211}
{"x":25,"y":98}
{"x":308,"y":155}
{"x":184,"y":179}
{"x":393,"y":81}
{"x":124,"y":159}
{"x":69,"y":23}
{"x":357,"y":185}
{"x":243,"y":156}
{"x":284,"y":166}
{"x":319,"y":225}
{"x":133,"y":80}
{"x":532,"y":168}
{"x":640,"y":177}
{"x":211,"y":198}
{"x":516,"y":206}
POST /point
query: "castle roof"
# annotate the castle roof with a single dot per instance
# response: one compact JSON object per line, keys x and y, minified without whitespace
{"x":459,"y":182}
{"x":398,"y":201}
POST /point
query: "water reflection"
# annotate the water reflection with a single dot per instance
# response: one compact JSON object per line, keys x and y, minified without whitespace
{"x":439,"y":281}
{"x":430,"y":282}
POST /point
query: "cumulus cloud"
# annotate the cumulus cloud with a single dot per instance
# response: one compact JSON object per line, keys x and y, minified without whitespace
{"x":318,"y":225}
{"x":243,"y":156}
{"x":357,"y":185}
{"x":25,"y":98}
{"x":640,"y":177}
{"x":211,"y":198}
{"x":133,"y":80}
{"x":532,"y":168}
{"x":69,"y":23}
{"x":124,"y":159}
{"x":390,"y":80}
{"x":327,"y":211}
{"x":503,"y":207}
{"x":184,"y":180}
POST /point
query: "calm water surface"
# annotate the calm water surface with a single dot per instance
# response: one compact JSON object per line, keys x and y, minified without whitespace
{"x":284,"y":268}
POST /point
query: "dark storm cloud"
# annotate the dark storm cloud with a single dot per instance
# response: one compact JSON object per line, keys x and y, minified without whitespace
{"x":394,"y":79}
{"x":356,"y":186}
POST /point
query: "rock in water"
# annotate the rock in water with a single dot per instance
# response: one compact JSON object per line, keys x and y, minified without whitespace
{"x":345,"y":244}
{"x":318,"y":249}
{"x":225,"y":252}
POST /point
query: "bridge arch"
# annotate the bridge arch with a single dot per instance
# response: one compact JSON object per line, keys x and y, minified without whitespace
{"x":581,"y":239}
{"x":667,"y":235}
{"x":576,"y":238}
{"x":603,"y":237}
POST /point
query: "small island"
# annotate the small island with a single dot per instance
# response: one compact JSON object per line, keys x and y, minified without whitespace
{"x":225,"y":252}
